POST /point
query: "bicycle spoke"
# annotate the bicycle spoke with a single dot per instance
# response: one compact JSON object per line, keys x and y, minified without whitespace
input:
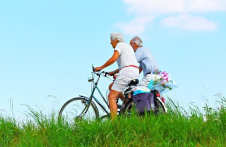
{"x":73,"y":110}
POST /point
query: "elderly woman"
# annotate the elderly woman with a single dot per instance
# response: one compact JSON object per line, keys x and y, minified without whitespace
{"x":128,"y":69}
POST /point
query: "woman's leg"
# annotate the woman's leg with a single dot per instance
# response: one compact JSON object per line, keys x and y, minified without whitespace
{"x":121,"y":96}
{"x":112,"y":98}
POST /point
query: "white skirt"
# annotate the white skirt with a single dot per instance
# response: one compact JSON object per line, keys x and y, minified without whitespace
{"x":123,"y":78}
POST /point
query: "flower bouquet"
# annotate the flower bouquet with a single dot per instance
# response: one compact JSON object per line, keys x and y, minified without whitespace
{"x":160,"y":81}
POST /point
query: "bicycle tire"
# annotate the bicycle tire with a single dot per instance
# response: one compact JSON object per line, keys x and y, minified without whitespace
{"x":105,"y":117}
{"x":83,"y":101}
{"x":126,"y":108}
{"x":159,"y":106}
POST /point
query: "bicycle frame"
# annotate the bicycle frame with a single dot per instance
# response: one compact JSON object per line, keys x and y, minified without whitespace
{"x":95,"y":87}
{"x":91,"y":97}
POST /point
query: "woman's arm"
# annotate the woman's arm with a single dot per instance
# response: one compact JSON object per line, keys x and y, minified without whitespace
{"x":113,"y":72}
{"x":110,"y":61}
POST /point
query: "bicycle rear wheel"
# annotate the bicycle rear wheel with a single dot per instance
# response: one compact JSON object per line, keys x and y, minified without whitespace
{"x":73,"y":108}
{"x":160,"y":107}
{"x":127,"y":108}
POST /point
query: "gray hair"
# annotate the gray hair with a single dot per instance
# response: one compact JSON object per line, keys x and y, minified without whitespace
{"x":137,"y":40}
{"x":117,"y":36}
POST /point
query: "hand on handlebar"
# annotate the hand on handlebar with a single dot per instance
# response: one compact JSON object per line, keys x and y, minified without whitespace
{"x":111,"y":73}
{"x":96,"y":69}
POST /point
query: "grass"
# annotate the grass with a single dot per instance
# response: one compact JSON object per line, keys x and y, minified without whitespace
{"x":176,"y":128}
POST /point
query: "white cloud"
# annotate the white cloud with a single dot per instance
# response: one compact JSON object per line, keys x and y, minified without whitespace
{"x":188,"y":22}
{"x":143,"y":9}
{"x":136,"y":26}
{"x":154,"y":6}
{"x":174,"y":6}
{"x":206,"y":5}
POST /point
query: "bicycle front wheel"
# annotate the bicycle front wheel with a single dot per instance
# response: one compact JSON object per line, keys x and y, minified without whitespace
{"x":74,"y":109}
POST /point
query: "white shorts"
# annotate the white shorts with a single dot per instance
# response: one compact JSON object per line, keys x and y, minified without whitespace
{"x":123,"y":78}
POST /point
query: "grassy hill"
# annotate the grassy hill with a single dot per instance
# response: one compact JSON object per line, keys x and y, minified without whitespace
{"x":176,"y":128}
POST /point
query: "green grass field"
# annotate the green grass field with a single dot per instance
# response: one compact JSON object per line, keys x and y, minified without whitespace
{"x":176,"y":128}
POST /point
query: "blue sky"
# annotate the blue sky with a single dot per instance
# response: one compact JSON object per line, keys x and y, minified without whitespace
{"x":47,"y":47}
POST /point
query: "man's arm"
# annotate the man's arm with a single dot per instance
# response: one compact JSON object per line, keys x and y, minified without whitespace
{"x":140,"y":69}
{"x":110,"y":61}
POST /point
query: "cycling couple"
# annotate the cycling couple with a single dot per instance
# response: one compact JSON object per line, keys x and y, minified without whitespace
{"x":131,"y":59}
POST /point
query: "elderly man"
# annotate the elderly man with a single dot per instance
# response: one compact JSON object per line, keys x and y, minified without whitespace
{"x":144,"y":57}
{"x":128,"y":69}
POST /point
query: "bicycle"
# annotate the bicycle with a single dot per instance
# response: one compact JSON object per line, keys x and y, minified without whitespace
{"x":87,"y":104}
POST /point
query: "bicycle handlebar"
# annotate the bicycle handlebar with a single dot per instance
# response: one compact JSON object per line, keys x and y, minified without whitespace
{"x":101,"y":73}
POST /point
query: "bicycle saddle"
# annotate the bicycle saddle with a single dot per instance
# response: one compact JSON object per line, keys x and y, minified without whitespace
{"x":133,"y":82}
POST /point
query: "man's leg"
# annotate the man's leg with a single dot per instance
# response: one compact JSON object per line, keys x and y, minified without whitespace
{"x":112,"y":97}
